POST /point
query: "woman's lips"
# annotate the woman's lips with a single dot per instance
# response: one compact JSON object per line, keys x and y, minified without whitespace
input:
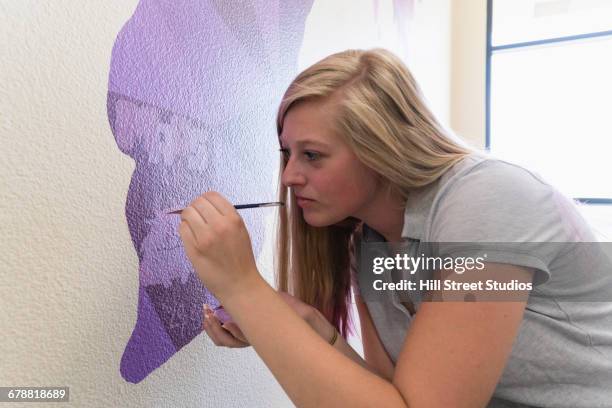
{"x":304,"y":202}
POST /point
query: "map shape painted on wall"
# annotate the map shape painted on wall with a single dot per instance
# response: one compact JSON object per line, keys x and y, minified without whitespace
{"x":193,"y":91}
{"x":192,"y":97}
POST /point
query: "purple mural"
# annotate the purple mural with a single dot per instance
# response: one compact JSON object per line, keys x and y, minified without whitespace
{"x":193,"y":90}
{"x":192,"y":96}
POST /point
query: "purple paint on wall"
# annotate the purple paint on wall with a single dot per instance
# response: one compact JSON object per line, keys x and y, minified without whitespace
{"x":193,"y":90}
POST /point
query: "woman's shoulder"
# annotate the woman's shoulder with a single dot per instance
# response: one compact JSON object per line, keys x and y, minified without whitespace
{"x":483,"y":171}
{"x":500,"y":200}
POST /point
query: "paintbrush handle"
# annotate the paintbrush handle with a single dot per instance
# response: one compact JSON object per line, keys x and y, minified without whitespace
{"x":242,"y":206}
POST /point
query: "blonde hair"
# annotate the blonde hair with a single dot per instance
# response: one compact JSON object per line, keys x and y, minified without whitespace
{"x":382,"y":116}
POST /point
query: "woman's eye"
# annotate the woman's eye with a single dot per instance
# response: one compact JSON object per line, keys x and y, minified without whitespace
{"x":311,"y":156}
{"x":285,"y":153}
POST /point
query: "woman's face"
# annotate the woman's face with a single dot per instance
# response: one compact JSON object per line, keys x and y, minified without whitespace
{"x":329,"y":182}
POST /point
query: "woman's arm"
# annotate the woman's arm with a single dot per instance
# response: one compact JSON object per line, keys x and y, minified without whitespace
{"x":453,"y":355}
{"x":375,"y":354}
{"x":322,"y":326}
{"x":312,"y":373}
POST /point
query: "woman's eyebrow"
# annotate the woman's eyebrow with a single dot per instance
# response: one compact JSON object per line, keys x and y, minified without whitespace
{"x":308,"y":141}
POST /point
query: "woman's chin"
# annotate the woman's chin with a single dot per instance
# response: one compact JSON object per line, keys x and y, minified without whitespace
{"x":313,"y":223}
{"x":319,"y":221}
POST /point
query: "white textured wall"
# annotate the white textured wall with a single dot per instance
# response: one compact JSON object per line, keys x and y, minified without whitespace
{"x":69,"y":271}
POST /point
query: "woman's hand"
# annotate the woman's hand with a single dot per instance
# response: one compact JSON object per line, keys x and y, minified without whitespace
{"x":218,"y":245}
{"x":230,"y":335}
{"x":227,"y":334}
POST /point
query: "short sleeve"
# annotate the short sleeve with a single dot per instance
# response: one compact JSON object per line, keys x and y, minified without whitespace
{"x":503,"y":205}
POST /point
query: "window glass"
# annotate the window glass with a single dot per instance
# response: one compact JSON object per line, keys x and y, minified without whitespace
{"x":517,"y":21}
{"x":551,"y":111}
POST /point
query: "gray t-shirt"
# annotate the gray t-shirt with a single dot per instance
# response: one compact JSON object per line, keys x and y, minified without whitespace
{"x":562,"y":355}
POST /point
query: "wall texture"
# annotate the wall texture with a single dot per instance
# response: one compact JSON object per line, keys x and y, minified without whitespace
{"x":79,"y":243}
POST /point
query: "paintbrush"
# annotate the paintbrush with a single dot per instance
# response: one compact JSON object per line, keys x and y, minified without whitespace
{"x":241,"y":206}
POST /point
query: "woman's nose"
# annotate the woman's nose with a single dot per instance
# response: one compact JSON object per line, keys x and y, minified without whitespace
{"x":291,"y":175}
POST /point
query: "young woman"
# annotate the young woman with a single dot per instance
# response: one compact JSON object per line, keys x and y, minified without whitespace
{"x":364,"y":160}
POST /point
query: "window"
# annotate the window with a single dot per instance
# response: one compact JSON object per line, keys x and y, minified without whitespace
{"x":549,"y":93}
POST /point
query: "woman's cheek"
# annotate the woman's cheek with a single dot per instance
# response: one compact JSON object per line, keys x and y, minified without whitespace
{"x":323,"y":186}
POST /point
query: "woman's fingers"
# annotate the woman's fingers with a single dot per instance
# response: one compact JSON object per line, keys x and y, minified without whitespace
{"x":223,"y":206}
{"x":218,"y":335}
{"x":196,"y":223}
{"x":205,"y":208}
{"x":235,"y":331}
